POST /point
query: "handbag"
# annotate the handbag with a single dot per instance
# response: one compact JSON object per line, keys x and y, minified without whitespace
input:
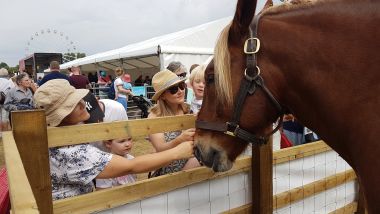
{"x":2,"y":98}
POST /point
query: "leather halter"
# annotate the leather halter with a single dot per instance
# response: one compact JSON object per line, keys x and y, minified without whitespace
{"x":250,"y":82}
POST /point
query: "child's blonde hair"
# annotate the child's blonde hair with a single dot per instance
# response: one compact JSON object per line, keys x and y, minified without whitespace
{"x":119,"y":71}
{"x":198,"y":73}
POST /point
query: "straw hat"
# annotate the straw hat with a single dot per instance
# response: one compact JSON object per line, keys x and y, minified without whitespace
{"x":59,"y":99}
{"x":3,"y":72}
{"x":164,"y":80}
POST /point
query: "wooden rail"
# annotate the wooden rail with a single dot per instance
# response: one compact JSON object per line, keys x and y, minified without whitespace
{"x":117,"y":196}
{"x":22,"y":198}
{"x":22,"y":189}
{"x":58,"y":136}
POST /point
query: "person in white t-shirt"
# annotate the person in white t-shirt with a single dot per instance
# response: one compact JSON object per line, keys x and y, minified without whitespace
{"x":113,"y":111}
{"x":121,"y":93}
{"x":197,"y":82}
{"x":5,"y":85}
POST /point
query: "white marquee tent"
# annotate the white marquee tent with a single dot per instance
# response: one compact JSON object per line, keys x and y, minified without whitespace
{"x":189,"y":46}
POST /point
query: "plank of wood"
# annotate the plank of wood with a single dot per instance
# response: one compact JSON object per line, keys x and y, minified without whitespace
{"x":262,"y":178}
{"x":21,"y":194}
{"x":245,"y":209}
{"x":285,"y":198}
{"x":317,"y":147}
{"x":29,"y":131}
{"x":348,"y":209}
{"x":69,"y":135}
{"x":117,"y":196}
{"x":122,"y":195}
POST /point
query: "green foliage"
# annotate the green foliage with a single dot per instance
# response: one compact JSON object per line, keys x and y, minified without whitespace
{"x":11,"y":70}
{"x":67,"y":57}
{"x":4,"y":65}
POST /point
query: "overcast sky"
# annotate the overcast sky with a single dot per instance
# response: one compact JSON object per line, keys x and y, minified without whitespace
{"x":95,"y":26}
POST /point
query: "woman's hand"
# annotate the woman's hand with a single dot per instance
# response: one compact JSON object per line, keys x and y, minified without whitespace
{"x":184,"y":150}
{"x":187,"y":135}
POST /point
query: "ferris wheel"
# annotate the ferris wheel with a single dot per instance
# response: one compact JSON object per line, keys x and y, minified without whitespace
{"x":50,"y":41}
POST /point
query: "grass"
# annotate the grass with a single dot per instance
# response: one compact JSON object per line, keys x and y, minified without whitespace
{"x":140,"y":147}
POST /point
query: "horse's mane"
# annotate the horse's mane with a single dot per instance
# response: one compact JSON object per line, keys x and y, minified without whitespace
{"x":222,"y":68}
{"x":222,"y":54}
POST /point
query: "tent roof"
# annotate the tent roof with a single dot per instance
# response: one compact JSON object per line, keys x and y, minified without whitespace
{"x":196,"y":40}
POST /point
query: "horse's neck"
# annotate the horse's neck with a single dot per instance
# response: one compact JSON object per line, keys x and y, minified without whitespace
{"x":328,"y":65}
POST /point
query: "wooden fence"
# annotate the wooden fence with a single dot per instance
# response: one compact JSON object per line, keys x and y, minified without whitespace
{"x":26,"y":155}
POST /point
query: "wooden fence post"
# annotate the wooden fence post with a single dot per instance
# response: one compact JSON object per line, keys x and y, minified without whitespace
{"x":262,"y":180}
{"x":30,"y":134}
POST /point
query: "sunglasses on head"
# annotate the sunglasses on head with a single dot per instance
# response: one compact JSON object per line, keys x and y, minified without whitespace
{"x":174,"y":89}
{"x":183,"y":75}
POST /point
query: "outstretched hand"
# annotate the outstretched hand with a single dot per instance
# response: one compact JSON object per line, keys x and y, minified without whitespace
{"x":185,"y":150}
{"x":187,"y":135}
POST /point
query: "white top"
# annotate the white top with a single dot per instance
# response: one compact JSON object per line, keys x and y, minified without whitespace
{"x":113,"y":111}
{"x":111,"y":182}
{"x":6,"y":85}
{"x":118,"y":82}
{"x":195,"y":105}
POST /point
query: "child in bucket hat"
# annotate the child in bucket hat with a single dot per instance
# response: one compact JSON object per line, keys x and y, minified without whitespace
{"x":73,"y":167}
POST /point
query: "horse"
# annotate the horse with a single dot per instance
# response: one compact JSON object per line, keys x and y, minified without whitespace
{"x":318,"y":60}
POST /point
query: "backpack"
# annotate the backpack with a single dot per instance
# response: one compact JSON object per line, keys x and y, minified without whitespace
{"x":111,"y":91}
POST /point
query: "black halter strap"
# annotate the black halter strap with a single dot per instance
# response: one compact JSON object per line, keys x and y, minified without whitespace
{"x":250,"y":82}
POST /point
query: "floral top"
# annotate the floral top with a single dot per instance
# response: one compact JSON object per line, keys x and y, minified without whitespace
{"x":72,"y":169}
{"x":174,"y":166}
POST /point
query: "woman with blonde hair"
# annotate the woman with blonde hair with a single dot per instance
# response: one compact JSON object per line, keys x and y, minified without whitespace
{"x":170,"y":98}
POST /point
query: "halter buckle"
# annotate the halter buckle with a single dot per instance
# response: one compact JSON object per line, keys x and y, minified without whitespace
{"x":246,"y":51}
{"x":231,"y":129}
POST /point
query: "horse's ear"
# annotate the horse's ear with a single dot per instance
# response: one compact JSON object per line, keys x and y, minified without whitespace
{"x":245,"y":10}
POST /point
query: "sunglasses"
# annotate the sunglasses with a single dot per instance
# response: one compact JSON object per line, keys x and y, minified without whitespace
{"x":174,"y":89}
{"x":183,"y":75}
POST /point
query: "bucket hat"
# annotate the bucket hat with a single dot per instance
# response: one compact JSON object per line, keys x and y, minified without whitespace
{"x":3,"y":72}
{"x":58,"y":98}
{"x":163,"y":80}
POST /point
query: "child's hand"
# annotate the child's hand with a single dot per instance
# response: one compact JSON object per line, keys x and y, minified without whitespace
{"x":187,"y":135}
{"x":185,"y":150}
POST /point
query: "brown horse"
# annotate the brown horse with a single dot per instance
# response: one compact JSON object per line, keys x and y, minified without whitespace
{"x":319,"y":61}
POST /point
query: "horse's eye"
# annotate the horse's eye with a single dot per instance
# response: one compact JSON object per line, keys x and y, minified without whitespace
{"x":210,"y":79}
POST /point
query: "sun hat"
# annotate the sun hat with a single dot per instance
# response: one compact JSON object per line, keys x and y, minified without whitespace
{"x":3,"y":72}
{"x":59,"y":99}
{"x":164,"y":80}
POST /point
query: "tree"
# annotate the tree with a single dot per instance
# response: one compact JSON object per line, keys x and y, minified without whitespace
{"x":67,"y":57}
{"x":4,"y":65}
{"x":13,"y":70}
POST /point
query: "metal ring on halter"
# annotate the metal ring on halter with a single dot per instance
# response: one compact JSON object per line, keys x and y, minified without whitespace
{"x":249,"y":78}
{"x":257,"y":46}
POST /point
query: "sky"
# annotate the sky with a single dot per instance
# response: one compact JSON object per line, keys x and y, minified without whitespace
{"x":91,"y":27}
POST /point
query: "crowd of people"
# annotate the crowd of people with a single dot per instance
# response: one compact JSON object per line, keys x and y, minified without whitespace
{"x":82,"y":168}
{"x":79,"y":169}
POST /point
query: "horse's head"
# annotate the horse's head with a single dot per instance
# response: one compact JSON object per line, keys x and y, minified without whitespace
{"x":223,"y":76}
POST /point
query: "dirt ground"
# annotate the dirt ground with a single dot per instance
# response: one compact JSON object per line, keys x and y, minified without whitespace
{"x":140,"y":147}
